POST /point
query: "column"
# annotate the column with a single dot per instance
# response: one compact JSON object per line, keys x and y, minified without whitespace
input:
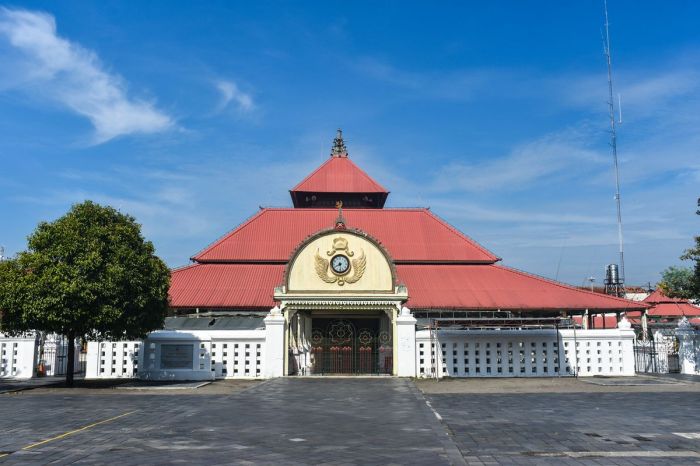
{"x":406,"y":344}
{"x":274,"y":343}
{"x":687,"y":350}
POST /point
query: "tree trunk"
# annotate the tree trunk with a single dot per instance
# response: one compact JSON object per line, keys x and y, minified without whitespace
{"x":70,"y":363}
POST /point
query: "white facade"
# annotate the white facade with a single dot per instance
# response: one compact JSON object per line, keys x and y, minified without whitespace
{"x":688,"y":348}
{"x":524,"y":353}
{"x":18,"y":356}
{"x":181,"y":355}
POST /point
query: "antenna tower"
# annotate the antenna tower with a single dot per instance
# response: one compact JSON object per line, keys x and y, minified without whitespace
{"x":613,"y":144}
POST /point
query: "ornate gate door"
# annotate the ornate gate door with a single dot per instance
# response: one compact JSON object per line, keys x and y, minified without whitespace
{"x":350,"y":346}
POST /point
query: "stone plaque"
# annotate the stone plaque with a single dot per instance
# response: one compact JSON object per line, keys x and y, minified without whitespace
{"x":176,"y":356}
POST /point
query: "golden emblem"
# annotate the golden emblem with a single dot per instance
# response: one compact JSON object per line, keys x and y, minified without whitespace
{"x":340,"y":264}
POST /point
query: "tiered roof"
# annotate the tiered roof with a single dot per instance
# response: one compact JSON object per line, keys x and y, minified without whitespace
{"x":664,"y":306}
{"x":441,"y":267}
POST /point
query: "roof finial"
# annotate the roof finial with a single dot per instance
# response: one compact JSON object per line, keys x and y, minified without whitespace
{"x":340,"y":221}
{"x":339,"y":149}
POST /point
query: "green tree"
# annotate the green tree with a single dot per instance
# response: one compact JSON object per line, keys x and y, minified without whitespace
{"x":88,"y":274}
{"x":677,"y":282}
{"x":693,"y":254}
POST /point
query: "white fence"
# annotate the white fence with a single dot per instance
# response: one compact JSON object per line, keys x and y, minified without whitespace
{"x":21,"y":357}
{"x":524,"y":353}
{"x":181,"y":355}
{"x":112,"y":359}
{"x":53,"y":355}
{"x":18,"y":356}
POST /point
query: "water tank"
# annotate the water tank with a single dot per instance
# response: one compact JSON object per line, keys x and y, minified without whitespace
{"x":612,"y":276}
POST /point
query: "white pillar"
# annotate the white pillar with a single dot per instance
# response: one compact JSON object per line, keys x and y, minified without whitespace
{"x":274,"y":343}
{"x":406,"y":344}
{"x":92,"y":368}
{"x":687,"y":347}
{"x":627,"y":339}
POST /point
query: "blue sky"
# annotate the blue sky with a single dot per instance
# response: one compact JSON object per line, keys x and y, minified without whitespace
{"x":190,"y":117}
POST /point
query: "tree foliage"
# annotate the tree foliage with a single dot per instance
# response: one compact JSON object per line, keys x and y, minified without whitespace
{"x":693,"y":254}
{"x":677,"y":282}
{"x":89,"y":273}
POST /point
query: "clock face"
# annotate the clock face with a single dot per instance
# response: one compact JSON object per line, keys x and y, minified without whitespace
{"x":340,"y":264}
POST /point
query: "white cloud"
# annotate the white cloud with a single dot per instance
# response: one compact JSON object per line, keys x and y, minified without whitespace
{"x":230,"y":93}
{"x":564,"y":155}
{"x":44,"y":64}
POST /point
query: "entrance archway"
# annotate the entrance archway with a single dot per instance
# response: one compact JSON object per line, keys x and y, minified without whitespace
{"x":351,"y":345}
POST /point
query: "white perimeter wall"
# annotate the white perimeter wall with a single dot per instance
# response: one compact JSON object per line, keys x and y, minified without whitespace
{"x":18,"y":357}
{"x":216,"y":354}
{"x":524,"y":353}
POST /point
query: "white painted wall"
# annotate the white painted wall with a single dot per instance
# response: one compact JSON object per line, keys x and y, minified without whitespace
{"x":18,"y":356}
{"x":688,"y":348}
{"x":112,"y":359}
{"x":524,"y":353}
{"x":406,"y":344}
{"x":215,"y":354}
{"x":274,"y":343}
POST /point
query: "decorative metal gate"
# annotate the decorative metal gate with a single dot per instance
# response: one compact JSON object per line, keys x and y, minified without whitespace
{"x":345,"y":346}
{"x":656,"y":356}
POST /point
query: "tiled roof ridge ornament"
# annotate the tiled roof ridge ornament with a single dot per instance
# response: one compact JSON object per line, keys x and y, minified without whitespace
{"x":339,"y":149}
{"x":340,"y":221}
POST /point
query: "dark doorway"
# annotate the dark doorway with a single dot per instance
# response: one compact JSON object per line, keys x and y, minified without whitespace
{"x":351,"y":346}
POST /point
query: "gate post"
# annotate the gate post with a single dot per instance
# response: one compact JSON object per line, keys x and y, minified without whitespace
{"x":406,"y":344}
{"x":687,"y":347}
{"x":274,"y":343}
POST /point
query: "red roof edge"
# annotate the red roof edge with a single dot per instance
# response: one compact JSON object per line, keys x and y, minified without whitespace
{"x":299,"y":187}
{"x":227,"y":234}
{"x":629,"y":304}
{"x":462,"y":235}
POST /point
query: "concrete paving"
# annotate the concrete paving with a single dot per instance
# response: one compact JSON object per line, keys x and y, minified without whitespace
{"x":356,"y":421}
{"x":283,"y":421}
{"x":611,"y":428}
{"x":15,"y":385}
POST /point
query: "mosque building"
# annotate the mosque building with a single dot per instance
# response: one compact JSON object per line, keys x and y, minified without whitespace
{"x":349,"y":282}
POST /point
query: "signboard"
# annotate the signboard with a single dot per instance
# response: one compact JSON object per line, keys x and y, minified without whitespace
{"x":176,"y":356}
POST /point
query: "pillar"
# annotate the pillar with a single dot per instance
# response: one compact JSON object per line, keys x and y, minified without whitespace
{"x":687,"y":347}
{"x":406,"y":344}
{"x":274,"y":343}
{"x":645,"y":326}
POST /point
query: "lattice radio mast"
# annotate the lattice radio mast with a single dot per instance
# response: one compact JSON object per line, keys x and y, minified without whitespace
{"x":613,"y":144}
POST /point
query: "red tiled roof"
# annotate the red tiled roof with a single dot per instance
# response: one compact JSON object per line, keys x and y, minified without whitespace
{"x":409,"y":235}
{"x":658,"y":296}
{"x":664,"y":306}
{"x":497,"y":287}
{"x":241,"y":286}
{"x":678,"y":309}
{"x":339,"y":175}
{"x":483,"y":286}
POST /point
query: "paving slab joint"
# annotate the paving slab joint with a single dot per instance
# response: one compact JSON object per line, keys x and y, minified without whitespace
{"x":440,"y":428}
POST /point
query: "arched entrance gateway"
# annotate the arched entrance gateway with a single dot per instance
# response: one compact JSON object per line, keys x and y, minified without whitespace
{"x":340,"y":301}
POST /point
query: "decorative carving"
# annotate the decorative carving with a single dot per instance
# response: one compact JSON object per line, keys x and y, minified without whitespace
{"x":340,"y":275}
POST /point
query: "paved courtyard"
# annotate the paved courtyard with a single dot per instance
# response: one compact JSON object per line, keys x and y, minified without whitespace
{"x":356,"y":421}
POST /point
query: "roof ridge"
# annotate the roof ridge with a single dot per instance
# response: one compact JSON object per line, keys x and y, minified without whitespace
{"x":184,"y":267}
{"x":629,"y":302}
{"x":340,"y":160}
{"x":312,"y":174}
{"x":463,"y":235}
{"x":229,"y":233}
{"x":366,"y":175}
{"x":345,"y":209}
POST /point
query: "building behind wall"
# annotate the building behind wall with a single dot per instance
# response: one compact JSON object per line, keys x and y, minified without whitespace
{"x":347,"y":278}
